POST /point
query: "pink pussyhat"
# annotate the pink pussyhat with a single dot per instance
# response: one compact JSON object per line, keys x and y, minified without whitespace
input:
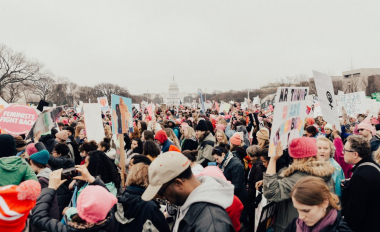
{"x":212,"y":171}
{"x":366,"y":125}
{"x":94,"y":203}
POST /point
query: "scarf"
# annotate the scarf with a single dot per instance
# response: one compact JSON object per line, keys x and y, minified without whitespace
{"x":225,"y":161}
{"x":326,"y":221}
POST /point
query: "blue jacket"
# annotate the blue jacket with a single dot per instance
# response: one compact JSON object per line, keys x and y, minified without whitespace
{"x":166,"y":146}
{"x":337,"y":176}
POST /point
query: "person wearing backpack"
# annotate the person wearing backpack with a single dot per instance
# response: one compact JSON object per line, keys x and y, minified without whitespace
{"x":360,"y":198}
{"x":206,"y":143}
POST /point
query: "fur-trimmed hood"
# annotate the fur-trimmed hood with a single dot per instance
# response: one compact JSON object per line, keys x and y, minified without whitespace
{"x":322,"y":169}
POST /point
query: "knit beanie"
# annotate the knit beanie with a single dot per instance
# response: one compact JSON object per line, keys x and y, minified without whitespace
{"x":16,"y":203}
{"x":94,"y":203}
{"x":41,"y":157}
{"x":310,"y":121}
{"x":263,"y":133}
{"x":7,"y":145}
{"x":161,"y":136}
{"x":220,"y":126}
{"x":64,"y":135}
{"x":328,"y":126}
{"x":303,"y":147}
{"x":31,"y":149}
{"x":235,"y":139}
{"x":366,"y":125}
{"x":202,"y":126}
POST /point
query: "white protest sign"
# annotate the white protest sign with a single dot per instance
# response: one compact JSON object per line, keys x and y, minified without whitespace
{"x":208,"y":105}
{"x":317,"y":110}
{"x":224,"y":106}
{"x":326,"y":98}
{"x":374,"y":107}
{"x":103,"y":101}
{"x":256,"y":101}
{"x":93,"y":122}
{"x":353,"y":103}
{"x":289,"y":116}
{"x":137,"y":106}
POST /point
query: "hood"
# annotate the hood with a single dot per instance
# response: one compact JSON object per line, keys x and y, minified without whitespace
{"x":11,"y":163}
{"x":206,"y":192}
{"x":111,"y":153}
{"x":210,"y":137}
{"x":323,"y":169}
{"x":45,"y":173}
{"x":129,"y":205}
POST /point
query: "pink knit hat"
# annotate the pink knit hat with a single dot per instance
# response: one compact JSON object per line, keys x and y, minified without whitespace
{"x":303,"y":147}
{"x":235,"y":139}
{"x":366,"y":125}
{"x":94,"y":203}
{"x":31,"y":149}
{"x":213,"y":171}
{"x":374,"y":121}
{"x":64,"y":135}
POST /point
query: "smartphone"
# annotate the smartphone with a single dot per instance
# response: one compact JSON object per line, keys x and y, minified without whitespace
{"x":211,"y":164}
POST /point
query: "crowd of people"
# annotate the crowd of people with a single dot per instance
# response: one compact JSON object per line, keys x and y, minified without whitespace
{"x":192,"y":171}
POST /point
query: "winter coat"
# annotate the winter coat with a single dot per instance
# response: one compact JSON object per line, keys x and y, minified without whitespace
{"x":14,"y":170}
{"x":229,"y":132}
{"x":277,"y":187}
{"x":234,"y":172}
{"x":204,"y":208}
{"x":205,"y":148}
{"x":375,"y":143}
{"x":60,"y":162}
{"x":255,"y":175}
{"x":40,"y":217}
{"x":166,"y":145}
{"x":339,"y":225}
{"x":189,"y":144}
{"x":337,"y":176}
{"x":134,"y":214}
{"x":43,"y":179}
{"x":360,"y":199}
{"x":111,"y":153}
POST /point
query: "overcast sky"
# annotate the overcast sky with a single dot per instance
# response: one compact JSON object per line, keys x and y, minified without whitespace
{"x":213,"y":45}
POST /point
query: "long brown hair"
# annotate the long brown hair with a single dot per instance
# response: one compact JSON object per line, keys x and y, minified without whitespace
{"x":312,"y":191}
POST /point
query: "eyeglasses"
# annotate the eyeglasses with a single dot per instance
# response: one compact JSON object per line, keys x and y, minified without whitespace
{"x":164,"y":186}
{"x":344,"y":150}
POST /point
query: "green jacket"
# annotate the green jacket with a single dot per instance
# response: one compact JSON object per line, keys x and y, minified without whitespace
{"x":277,"y":188}
{"x":14,"y":170}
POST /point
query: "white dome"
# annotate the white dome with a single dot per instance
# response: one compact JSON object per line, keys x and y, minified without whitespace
{"x":173,"y":87}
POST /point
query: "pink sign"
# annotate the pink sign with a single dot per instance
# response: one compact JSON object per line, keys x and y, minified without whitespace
{"x":17,"y":119}
{"x":150,"y":111}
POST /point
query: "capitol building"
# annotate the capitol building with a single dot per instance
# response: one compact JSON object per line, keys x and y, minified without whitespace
{"x":173,"y":96}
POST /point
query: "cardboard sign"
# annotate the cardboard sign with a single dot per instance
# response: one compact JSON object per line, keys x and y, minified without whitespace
{"x":224,"y":106}
{"x":93,"y":122}
{"x":17,"y":119}
{"x":326,"y":98}
{"x":353,"y":103}
{"x":289,"y":116}
{"x":104,"y":106}
{"x":45,"y":121}
{"x":121,"y":114}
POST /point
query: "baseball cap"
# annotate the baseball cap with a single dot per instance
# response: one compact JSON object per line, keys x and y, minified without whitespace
{"x":163,"y":169}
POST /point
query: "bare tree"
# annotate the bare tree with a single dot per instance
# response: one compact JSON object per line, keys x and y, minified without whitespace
{"x":16,"y":68}
{"x":12,"y":92}
{"x":106,"y":89}
{"x":44,"y":87}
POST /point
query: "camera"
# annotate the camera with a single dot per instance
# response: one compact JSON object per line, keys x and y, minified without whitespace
{"x":69,"y":173}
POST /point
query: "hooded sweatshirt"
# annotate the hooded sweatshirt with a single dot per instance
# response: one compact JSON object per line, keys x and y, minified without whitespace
{"x":206,"y":192}
{"x":14,"y":170}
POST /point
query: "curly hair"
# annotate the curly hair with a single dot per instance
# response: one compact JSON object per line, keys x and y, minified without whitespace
{"x":100,"y":165}
{"x":88,"y":146}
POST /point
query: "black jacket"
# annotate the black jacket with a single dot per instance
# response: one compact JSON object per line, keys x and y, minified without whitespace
{"x":255,"y":175}
{"x":49,"y":142}
{"x":189,"y":144}
{"x":360,"y":198}
{"x":133,"y":213}
{"x":40,"y":216}
{"x":339,"y":226}
{"x":203,"y":216}
{"x":234,"y":172}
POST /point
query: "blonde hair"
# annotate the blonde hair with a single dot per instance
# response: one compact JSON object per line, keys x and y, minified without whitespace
{"x":190,"y":132}
{"x":262,"y":143}
{"x":312,"y":191}
{"x":332,"y":147}
{"x":222,"y":121}
{"x":170,"y":133}
{"x":138,"y":175}
{"x":225,"y":140}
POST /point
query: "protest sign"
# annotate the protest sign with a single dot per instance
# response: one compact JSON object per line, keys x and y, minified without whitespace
{"x":224,"y":106}
{"x":289,"y":116}
{"x":317,"y":109}
{"x":256,"y":101}
{"x":121,"y":114}
{"x":353,"y":103}
{"x":267,"y":218}
{"x":104,"y":106}
{"x":208,"y":105}
{"x":137,"y":106}
{"x":374,"y":107}
{"x":3,"y":104}
{"x":17,"y":119}
{"x":326,"y":98}
{"x":203,"y":110}
{"x":150,"y":110}
{"x":45,"y":121}
{"x":93,"y":122}
{"x":41,"y":105}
